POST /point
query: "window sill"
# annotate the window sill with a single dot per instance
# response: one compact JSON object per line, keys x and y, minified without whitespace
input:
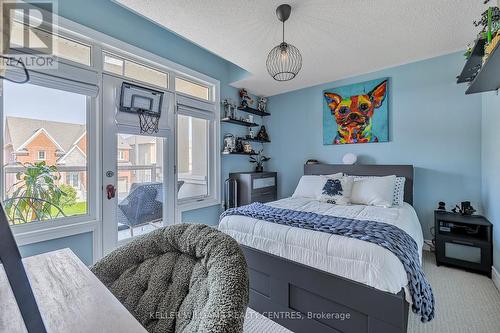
{"x":197,"y":204}
{"x":39,"y":233}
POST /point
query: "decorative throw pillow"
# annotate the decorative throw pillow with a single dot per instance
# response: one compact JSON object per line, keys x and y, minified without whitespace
{"x":337,"y":190}
{"x":309,"y":187}
{"x":399,"y":189}
{"x":374,"y":191}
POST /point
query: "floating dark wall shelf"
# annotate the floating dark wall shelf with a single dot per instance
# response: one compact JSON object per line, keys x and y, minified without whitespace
{"x":239,"y":153}
{"x":473,"y":64}
{"x":238,"y":122}
{"x":256,"y":140}
{"x":485,"y":77}
{"x":254,"y":111}
{"x":488,"y":78}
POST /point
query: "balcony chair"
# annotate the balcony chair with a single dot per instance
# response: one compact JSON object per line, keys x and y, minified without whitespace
{"x":182,"y":278}
{"x":143,"y":205}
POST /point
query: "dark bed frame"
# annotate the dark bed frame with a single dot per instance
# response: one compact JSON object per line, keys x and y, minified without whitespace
{"x":305,"y":299}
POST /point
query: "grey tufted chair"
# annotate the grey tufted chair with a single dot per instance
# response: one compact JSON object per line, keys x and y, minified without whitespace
{"x":183,"y":278}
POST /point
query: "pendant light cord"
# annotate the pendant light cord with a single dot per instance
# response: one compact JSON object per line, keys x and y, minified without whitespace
{"x":283,"y":31}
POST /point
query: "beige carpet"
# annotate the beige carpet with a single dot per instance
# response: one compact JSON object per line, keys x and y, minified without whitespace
{"x":465,"y":303}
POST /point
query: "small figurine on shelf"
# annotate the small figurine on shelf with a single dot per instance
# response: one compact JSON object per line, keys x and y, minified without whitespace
{"x":229,"y":144}
{"x":246,"y":100}
{"x":262,"y":135}
{"x":465,"y":208}
{"x":228,"y":108}
{"x":239,"y":146}
{"x":247,"y":148}
{"x":262,"y":104}
{"x":259,"y":161}
{"x":441,"y":205}
{"x":251,"y":133}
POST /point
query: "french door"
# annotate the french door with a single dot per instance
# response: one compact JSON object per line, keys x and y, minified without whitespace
{"x":139,"y":190}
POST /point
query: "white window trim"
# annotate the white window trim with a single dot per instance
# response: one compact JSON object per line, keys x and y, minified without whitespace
{"x":99,"y":42}
{"x":195,"y":107}
{"x":92,"y":168}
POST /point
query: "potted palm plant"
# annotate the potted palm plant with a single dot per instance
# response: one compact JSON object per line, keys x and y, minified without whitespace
{"x":259,"y":160}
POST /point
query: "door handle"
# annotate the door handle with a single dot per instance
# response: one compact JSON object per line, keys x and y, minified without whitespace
{"x":110,"y":191}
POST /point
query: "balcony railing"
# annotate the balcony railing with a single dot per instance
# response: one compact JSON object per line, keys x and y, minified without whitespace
{"x":29,"y":209}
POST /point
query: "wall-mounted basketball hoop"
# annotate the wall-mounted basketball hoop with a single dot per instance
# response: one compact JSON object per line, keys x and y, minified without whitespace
{"x":144,"y":102}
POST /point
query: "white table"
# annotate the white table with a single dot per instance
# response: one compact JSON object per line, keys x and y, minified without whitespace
{"x":70,"y":298}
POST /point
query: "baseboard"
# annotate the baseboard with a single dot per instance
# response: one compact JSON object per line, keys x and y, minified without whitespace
{"x":495,"y":276}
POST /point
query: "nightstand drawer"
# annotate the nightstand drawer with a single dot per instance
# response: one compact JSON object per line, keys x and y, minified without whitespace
{"x":258,"y":183}
{"x":256,"y":187}
{"x":264,"y":197}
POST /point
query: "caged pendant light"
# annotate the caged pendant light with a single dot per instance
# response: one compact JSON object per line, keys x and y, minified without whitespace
{"x":284,"y":61}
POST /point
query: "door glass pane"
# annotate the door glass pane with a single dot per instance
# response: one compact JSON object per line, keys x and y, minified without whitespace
{"x":192,"y":150}
{"x":45,"y":153}
{"x":139,"y":184}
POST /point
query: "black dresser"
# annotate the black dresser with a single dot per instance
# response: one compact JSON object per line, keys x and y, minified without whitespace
{"x":464,"y":241}
{"x":255,"y":187}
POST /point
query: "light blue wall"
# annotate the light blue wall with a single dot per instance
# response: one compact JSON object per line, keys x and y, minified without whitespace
{"x":80,"y":244}
{"x":491,"y":166}
{"x":433,"y":125}
{"x":114,"y":20}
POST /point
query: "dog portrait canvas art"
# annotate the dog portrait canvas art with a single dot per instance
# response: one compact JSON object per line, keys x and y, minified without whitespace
{"x":357,"y":113}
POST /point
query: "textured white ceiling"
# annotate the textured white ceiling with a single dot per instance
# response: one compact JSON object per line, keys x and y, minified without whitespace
{"x":337,"y":38}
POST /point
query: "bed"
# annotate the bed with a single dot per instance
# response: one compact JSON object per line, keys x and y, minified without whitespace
{"x":310,"y":281}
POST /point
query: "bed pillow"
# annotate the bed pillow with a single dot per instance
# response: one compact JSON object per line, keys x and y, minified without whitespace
{"x":335,"y":175}
{"x":337,"y":190}
{"x":309,"y":187}
{"x":399,"y":192}
{"x":399,"y":189}
{"x":374,"y":191}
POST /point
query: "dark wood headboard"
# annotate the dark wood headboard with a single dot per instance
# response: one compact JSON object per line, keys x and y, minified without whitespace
{"x":367,"y":170}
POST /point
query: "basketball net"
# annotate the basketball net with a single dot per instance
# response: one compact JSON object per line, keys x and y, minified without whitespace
{"x":148,"y":122}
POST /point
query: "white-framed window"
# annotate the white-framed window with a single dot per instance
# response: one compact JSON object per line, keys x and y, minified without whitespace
{"x":80,"y":72}
{"x":122,"y":155}
{"x":63,"y":47}
{"x":134,"y":70}
{"x":37,"y":127}
{"x":192,"y":88}
{"x":197,"y":153}
{"x":73,"y":179}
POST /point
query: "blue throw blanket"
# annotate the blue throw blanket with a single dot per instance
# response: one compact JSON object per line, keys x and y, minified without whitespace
{"x":386,"y":235}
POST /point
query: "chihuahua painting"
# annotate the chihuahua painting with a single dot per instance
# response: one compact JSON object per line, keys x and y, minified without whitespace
{"x":356,"y":113}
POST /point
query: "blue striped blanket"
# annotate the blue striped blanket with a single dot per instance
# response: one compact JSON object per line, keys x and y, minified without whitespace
{"x":386,"y":235}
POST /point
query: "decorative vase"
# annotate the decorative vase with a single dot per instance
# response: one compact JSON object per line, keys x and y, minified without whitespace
{"x":259,"y":168}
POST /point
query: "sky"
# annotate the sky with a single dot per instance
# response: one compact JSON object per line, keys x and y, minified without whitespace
{"x":32,"y":101}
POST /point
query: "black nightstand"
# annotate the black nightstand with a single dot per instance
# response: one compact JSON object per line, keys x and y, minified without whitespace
{"x":255,"y":187}
{"x":464,"y":241}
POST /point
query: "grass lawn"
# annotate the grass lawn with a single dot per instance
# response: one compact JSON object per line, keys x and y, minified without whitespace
{"x":78,"y":208}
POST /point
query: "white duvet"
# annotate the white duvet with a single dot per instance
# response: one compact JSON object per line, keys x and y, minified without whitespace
{"x":347,"y":257}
